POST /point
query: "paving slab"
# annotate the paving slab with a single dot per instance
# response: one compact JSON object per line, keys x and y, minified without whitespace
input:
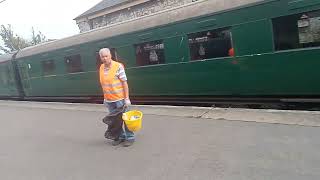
{"x":50,"y":144}
{"x":303,"y":118}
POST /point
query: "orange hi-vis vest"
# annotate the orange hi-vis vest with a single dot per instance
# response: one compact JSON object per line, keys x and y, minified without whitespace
{"x":111,"y":84}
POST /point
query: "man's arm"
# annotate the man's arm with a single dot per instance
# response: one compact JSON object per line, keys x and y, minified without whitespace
{"x":126,"y":93}
{"x":123,"y":78}
{"x":126,"y":89}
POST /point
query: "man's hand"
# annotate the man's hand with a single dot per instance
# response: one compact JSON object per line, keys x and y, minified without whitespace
{"x":127,"y":102}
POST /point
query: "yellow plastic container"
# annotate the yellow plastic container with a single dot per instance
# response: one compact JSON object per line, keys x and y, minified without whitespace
{"x":133,"y":120}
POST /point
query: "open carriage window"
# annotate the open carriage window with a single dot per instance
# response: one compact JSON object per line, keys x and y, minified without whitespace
{"x":150,"y":53}
{"x":73,"y":63}
{"x":5,"y":75}
{"x":210,"y":44}
{"x":48,"y":67}
{"x":297,"y":31}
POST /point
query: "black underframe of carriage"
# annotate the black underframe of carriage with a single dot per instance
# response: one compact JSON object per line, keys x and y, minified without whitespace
{"x":272,"y":102}
{"x":10,"y":98}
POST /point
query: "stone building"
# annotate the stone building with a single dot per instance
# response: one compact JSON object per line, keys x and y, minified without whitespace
{"x":109,"y":12}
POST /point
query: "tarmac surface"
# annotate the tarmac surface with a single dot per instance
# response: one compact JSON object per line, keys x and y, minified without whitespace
{"x":50,"y":141}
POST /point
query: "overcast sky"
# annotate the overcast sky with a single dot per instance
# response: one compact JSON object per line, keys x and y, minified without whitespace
{"x":54,"y":18}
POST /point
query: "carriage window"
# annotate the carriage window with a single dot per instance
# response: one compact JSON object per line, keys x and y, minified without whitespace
{"x":73,"y":63}
{"x":150,"y":53}
{"x":297,"y":31}
{"x":113,"y":54}
{"x":4,"y":75}
{"x":48,"y":67}
{"x":210,"y":44}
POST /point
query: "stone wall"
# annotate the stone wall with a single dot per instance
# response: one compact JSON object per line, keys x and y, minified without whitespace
{"x":84,"y":26}
{"x":137,"y":11}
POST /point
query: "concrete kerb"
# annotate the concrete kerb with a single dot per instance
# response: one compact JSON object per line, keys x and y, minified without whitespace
{"x":151,"y":110}
{"x":304,"y":118}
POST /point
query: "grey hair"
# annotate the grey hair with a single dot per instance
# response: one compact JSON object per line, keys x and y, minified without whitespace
{"x":107,"y":50}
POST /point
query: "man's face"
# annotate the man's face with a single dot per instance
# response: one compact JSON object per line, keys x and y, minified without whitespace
{"x":105,"y":57}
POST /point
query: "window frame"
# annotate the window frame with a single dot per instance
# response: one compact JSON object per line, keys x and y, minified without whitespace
{"x":192,"y":36}
{"x":158,"y":42}
{"x":48,"y":73}
{"x":69,"y":68}
{"x":299,"y":46}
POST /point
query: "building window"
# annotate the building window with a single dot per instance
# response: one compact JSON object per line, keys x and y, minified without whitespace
{"x":150,"y":53}
{"x":113,"y":54}
{"x":210,"y":44}
{"x":48,"y":67}
{"x":297,"y":31}
{"x":73,"y":63}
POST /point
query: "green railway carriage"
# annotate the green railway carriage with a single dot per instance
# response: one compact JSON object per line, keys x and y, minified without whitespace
{"x":8,"y":83}
{"x":185,"y":54}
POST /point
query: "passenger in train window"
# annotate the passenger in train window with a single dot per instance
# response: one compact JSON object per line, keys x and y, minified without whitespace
{"x":210,"y":44}
{"x":150,"y":53}
{"x":153,"y":57}
{"x":114,"y":84}
{"x":202,"y":52}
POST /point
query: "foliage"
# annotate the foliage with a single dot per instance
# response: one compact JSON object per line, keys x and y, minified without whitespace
{"x":13,"y":42}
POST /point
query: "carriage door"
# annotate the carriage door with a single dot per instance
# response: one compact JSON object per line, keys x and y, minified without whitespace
{"x":10,"y":79}
{"x":24,"y":69}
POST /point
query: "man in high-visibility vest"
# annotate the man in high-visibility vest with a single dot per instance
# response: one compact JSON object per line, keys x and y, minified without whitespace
{"x":114,"y":84}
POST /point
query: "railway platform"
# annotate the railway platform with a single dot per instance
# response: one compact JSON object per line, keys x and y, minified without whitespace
{"x":65,"y":141}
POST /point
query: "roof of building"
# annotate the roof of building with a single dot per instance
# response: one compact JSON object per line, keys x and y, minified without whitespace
{"x":104,"y":4}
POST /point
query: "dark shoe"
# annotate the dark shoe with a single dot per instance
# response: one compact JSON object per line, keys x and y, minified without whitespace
{"x":117,"y":142}
{"x":127,"y":143}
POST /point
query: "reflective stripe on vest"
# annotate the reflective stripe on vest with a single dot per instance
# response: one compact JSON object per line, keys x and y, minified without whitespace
{"x":111,"y":85}
{"x":113,"y":92}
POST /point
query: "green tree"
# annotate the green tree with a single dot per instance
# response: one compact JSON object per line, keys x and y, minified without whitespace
{"x":37,"y":38}
{"x":13,"y":42}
